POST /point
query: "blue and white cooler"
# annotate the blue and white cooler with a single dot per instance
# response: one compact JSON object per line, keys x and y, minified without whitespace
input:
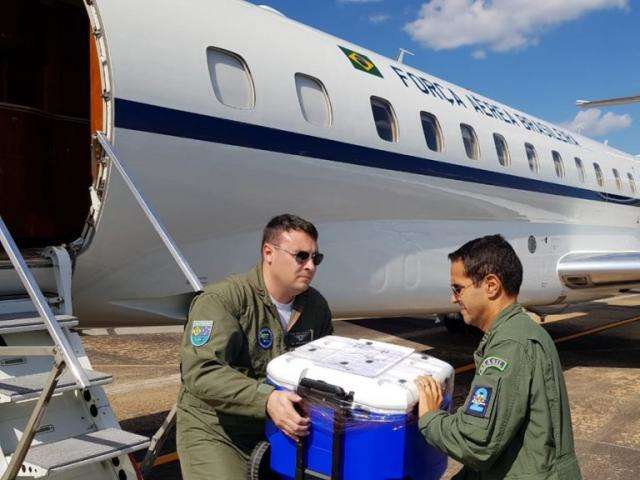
{"x":361,"y":398}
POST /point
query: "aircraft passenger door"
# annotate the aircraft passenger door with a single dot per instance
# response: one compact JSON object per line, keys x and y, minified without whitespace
{"x":95,"y":94}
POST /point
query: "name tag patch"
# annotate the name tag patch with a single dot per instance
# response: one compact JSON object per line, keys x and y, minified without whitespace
{"x":478,"y":402}
{"x":492,"y":362}
{"x":265,"y":338}
{"x":201,"y":332}
{"x":297,"y":339}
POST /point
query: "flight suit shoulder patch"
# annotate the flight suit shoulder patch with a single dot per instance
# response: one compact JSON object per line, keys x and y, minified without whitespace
{"x":479,"y":401}
{"x":493,"y":362}
{"x":201,"y":332}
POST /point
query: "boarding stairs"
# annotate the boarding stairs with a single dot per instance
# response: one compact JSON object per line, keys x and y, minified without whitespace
{"x":55,"y":419}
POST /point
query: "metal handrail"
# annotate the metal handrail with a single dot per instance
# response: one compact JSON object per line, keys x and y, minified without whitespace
{"x":184,"y":266}
{"x":158,"y":439}
{"x":37,"y":297}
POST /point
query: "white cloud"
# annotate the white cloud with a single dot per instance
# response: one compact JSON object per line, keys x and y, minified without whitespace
{"x":479,"y":54}
{"x":592,"y":122}
{"x":500,"y":25}
{"x":378,"y":18}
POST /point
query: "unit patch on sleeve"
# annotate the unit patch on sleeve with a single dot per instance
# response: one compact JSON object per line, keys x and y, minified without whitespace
{"x":478,"y":402}
{"x":492,"y":362}
{"x":361,"y":62}
{"x":201,"y":332}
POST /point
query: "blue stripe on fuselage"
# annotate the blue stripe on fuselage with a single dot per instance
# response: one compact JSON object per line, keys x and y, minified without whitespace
{"x":166,"y":121}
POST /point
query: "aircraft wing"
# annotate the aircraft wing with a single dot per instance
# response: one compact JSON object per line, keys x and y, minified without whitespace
{"x":597,"y":269}
{"x":607,"y":102}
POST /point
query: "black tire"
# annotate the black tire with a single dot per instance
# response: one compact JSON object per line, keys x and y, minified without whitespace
{"x":258,"y":464}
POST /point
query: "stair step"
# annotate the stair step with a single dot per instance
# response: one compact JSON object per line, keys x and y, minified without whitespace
{"x":41,"y":268}
{"x":29,"y":387}
{"x":33,"y":259}
{"x":30,"y":322}
{"x":50,"y":458}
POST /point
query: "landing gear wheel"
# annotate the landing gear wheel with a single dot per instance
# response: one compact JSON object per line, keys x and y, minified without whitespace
{"x":258,"y":465}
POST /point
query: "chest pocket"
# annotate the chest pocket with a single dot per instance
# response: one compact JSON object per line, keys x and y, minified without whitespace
{"x":296,"y":339}
{"x":259,"y":340}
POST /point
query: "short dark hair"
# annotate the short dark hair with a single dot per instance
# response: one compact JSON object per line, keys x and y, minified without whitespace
{"x":285,"y":223}
{"x":491,"y":255}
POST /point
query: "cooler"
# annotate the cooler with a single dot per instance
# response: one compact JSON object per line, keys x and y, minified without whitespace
{"x":360,"y":396}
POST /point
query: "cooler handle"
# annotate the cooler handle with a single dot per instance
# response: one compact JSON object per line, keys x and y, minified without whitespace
{"x":323,"y":387}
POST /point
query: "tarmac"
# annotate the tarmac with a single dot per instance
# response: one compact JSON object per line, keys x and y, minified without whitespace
{"x":602,"y":369}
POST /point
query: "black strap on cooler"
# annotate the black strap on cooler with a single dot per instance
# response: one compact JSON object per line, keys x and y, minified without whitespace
{"x":331,"y":394}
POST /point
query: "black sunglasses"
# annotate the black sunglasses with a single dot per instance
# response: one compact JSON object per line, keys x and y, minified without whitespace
{"x":302,"y":256}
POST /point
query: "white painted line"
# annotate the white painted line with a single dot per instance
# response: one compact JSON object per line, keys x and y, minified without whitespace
{"x":608,"y":444}
{"x":143,"y":384}
{"x":133,"y":330}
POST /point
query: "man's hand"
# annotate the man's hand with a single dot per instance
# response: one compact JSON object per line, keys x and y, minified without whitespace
{"x":430,"y":394}
{"x":281,"y":409}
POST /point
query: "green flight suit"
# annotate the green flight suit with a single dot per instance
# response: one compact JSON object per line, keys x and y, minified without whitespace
{"x":515,"y":423}
{"x":233,"y":331}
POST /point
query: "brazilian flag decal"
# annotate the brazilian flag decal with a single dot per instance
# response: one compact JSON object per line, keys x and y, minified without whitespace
{"x":361,"y":62}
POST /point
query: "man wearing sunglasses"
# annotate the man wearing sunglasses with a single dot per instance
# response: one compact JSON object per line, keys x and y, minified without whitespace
{"x":515,"y":422}
{"x":234,"y":329}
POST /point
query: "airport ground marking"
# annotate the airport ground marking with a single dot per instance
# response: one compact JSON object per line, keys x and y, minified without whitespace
{"x":597,"y":329}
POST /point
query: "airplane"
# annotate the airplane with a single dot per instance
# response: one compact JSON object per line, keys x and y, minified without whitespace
{"x":225,"y":114}
{"x":247,"y":113}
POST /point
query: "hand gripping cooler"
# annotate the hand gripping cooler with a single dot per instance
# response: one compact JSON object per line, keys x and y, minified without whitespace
{"x":360,"y":396}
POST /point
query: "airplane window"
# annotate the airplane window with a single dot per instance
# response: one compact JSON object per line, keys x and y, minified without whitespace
{"x":502,"y":150}
{"x":431,"y":129}
{"x":558,"y":164}
{"x":599,"y":177}
{"x":231,"y":79}
{"x":314,"y":101}
{"x":580,"y":168}
{"x":532,"y":157}
{"x":384,"y":119}
{"x":470,"y":141}
{"x":616,"y":175}
{"x":632,"y":183}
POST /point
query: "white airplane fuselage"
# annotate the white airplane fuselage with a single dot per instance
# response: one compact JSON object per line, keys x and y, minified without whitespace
{"x":387,"y":212}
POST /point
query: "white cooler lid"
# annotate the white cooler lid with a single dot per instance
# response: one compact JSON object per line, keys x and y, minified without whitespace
{"x":380,"y":375}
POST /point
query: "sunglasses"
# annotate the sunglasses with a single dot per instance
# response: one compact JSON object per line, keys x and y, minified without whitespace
{"x":303,"y":256}
{"x":457,"y":289}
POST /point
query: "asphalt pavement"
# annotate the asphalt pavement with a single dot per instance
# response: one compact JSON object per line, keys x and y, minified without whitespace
{"x":601,"y":370}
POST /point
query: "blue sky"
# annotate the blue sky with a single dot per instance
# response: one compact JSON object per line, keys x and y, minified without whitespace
{"x":537,"y":56}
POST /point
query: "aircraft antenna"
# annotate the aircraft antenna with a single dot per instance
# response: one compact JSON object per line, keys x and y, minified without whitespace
{"x":401,"y":53}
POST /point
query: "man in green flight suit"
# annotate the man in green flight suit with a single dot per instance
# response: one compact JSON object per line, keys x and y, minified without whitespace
{"x":234,"y":328}
{"x":515,"y":423}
